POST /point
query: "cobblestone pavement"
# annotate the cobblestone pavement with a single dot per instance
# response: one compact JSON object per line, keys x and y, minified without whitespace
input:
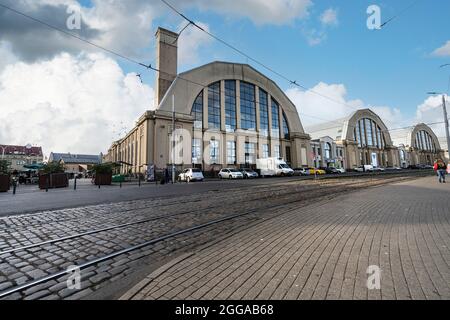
{"x":79,"y":235}
{"x":323,"y":251}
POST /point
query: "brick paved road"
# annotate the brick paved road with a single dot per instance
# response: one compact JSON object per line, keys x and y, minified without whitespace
{"x":322,"y":251}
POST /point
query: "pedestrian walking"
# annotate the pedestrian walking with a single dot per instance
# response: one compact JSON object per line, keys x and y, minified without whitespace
{"x":441,"y":169}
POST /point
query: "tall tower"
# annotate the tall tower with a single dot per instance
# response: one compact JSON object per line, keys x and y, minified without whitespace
{"x":166,"y":61}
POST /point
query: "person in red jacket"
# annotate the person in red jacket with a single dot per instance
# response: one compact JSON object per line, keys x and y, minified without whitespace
{"x":441,"y":168}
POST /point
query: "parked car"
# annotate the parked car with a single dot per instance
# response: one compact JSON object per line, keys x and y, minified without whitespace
{"x":230,"y":174}
{"x":192,"y":174}
{"x":314,"y":171}
{"x":393,"y":169}
{"x":341,"y":170}
{"x":364,"y":168}
{"x":330,"y":170}
{"x":378,"y":169}
{"x":249,"y":173}
{"x":301,"y":172}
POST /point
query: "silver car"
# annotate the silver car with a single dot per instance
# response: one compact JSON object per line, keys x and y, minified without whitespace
{"x":230,"y":174}
{"x":249,"y":174}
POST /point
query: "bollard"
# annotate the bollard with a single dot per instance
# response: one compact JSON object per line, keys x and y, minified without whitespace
{"x":139,"y":180}
{"x":120,"y":184}
{"x":46,"y":184}
{"x":14,"y":187}
{"x":99,"y":185}
{"x":75,"y":184}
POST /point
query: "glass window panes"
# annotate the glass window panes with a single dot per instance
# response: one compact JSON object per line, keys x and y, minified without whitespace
{"x":196,"y":151}
{"x":214,"y":106}
{"x":265,"y":151}
{"x":285,"y":127}
{"x":277,"y":151}
{"x":248,"y":106}
{"x":230,"y":105}
{"x":275,"y":119}
{"x":263,"y":113}
{"x":214,"y":151}
{"x":197,"y":111}
{"x":231,"y":152}
{"x":368,"y":124}
{"x":250,"y":153}
{"x":327,"y":151}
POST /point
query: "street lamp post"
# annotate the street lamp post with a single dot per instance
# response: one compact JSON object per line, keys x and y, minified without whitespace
{"x":3,"y":151}
{"x":447,"y":132}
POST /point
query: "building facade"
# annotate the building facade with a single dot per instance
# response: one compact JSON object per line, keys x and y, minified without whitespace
{"x":226,"y":115}
{"x":75,"y":163}
{"x":327,"y":153}
{"x":364,"y":138}
{"x":418,"y":145}
{"x":19,"y":156}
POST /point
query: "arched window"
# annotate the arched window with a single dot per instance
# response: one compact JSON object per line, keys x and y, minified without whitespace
{"x":327,"y":151}
{"x":275,"y":119}
{"x":214,"y":106}
{"x":263,"y":113}
{"x":285,"y":128}
{"x":197,"y":111}
{"x":248,"y":106}
{"x":230,"y":105}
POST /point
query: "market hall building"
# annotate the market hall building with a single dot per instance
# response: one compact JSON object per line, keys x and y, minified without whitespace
{"x":226,"y":115}
{"x":363,"y":137}
{"x":418,"y":145}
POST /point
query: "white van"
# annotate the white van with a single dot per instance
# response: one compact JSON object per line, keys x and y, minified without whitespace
{"x":273,"y":167}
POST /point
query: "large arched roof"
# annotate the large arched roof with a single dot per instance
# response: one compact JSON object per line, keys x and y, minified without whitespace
{"x":361,"y":114}
{"x":407,"y":136}
{"x":188,"y":85}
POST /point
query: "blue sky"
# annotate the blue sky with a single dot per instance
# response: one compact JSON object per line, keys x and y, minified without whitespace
{"x":390,"y":67}
{"x":323,"y":45}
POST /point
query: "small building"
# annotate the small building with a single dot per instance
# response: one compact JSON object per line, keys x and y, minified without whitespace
{"x":327,"y":153}
{"x":418,"y":145}
{"x":76,"y":163}
{"x":19,"y":156}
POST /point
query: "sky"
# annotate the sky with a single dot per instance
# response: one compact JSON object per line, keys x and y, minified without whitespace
{"x":67,"y":96}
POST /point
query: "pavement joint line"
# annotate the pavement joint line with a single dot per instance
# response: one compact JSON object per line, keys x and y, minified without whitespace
{"x":148,"y":279}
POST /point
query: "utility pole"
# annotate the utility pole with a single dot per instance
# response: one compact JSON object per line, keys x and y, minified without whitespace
{"x":446,"y":122}
{"x":173,"y":139}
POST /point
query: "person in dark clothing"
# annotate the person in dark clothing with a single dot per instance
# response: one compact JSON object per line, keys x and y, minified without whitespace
{"x":166,"y":175}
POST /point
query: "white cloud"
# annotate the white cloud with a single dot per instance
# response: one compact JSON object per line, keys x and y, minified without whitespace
{"x":328,"y":102}
{"x":69,"y":103}
{"x":329,"y":17}
{"x":430,"y":111}
{"x":277,"y":12}
{"x":189,"y":43}
{"x":443,"y":51}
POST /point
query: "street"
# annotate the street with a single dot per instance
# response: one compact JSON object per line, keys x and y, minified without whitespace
{"x":297,"y":239}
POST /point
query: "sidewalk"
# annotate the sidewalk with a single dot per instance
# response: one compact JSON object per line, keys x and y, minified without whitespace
{"x":324,"y":252}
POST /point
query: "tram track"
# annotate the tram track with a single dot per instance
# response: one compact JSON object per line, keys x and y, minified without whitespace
{"x":311,"y":194}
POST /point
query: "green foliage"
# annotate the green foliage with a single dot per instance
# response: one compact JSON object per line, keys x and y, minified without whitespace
{"x":53,"y":167}
{"x":4,"y":166}
{"x":103,"y":168}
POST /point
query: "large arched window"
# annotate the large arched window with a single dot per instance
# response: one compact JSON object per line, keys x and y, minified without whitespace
{"x":230,"y":105}
{"x":197,"y":111}
{"x":369,"y":134}
{"x":263,"y":113}
{"x":424,"y":141}
{"x":285,"y":127}
{"x":214,"y":106}
{"x":275,"y":119}
{"x":248,"y":106}
{"x":327,"y":151}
